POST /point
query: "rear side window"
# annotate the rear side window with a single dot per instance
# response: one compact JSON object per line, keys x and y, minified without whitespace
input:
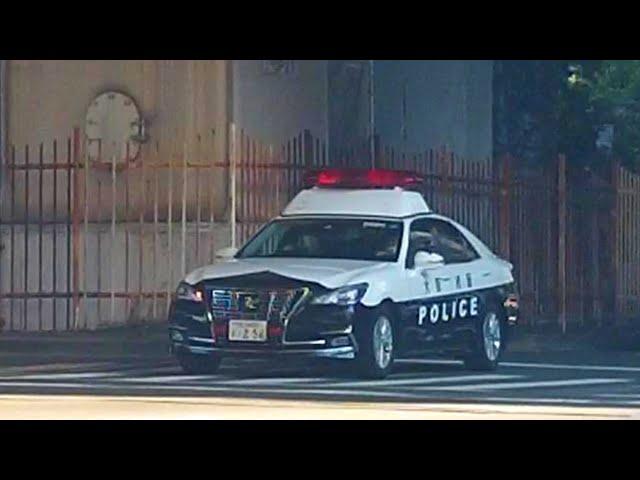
{"x":438,"y":236}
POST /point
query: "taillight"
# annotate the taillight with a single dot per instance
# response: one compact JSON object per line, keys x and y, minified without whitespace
{"x":511,"y":301}
{"x":219,"y":330}
{"x":275,"y":331}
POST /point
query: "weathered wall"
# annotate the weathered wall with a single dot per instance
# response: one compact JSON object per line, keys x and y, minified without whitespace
{"x":186,"y":102}
{"x":102,"y":259}
{"x":349,"y":109}
{"x":3,"y":121}
{"x":276,"y":107}
{"x":447,"y":103}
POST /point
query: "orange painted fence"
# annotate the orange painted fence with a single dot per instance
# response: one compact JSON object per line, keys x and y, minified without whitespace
{"x":86,"y":243}
{"x":627,"y":243}
{"x":558,"y":229}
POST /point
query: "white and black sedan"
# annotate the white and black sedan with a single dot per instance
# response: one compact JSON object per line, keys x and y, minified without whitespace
{"x":357,"y":267}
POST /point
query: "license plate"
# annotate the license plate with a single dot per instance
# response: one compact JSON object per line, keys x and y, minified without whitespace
{"x":247,"y":331}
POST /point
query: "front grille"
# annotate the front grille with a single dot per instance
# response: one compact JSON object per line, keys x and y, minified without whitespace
{"x":255,"y":304}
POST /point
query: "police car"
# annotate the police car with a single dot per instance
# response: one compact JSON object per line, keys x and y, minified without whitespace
{"x":357,"y":267}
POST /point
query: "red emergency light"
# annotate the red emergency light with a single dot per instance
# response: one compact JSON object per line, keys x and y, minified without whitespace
{"x":362,"y":178}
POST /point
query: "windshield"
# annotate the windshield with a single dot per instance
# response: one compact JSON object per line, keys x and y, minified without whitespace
{"x":353,"y":239}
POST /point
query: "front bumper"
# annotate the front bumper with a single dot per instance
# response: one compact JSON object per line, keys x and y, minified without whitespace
{"x":191,"y":334}
{"x":181,"y":342}
{"x":318,"y":333}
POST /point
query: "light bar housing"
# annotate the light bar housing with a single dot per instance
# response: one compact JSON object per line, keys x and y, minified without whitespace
{"x":362,"y":178}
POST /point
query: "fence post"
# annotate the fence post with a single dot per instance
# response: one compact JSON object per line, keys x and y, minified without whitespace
{"x":377,"y":151}
{"x":504,"y":200}
{"x":232,"y":179}
{"x":76,"y":227}
{"x":615,"y":232}
{"x":307,"y":145}
{"x":443,"y":170}
{"x":562,"y":233}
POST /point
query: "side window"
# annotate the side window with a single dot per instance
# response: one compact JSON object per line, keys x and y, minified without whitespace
{"x":437,"y":236}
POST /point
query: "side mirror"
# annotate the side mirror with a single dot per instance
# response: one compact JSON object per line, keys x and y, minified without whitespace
{"x":226,"y":253}
{"x":427,"y":260}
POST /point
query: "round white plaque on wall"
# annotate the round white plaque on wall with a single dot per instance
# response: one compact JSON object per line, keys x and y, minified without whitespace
{"x":112,"y":123}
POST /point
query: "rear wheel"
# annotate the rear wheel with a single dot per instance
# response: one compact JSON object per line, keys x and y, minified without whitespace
{"x":198,"y":364}
{"x":488,"y":343}
{"x":374,"y":334}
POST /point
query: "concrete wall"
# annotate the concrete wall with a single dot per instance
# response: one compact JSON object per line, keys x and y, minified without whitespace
{"x":448,"y":103}
{"x":186,"y":102}
{"x":276,"y":107}
{"x":103,"y":257}
{"x":3,"y":121}
{"x":348,"y":103}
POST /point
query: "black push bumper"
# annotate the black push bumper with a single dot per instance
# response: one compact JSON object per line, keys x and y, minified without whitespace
{"x":182,"y":342}
{"x":320,"y":332}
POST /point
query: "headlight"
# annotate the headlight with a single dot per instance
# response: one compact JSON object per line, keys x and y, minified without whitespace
{"x":343,"y":296}
{"x":188,"y":292}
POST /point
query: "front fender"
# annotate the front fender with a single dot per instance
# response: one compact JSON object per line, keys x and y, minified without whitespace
{"x":377,"y":293}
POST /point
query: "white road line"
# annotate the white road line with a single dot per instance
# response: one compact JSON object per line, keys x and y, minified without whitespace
{"x":269,"y":381}
{"x":203,"y":388}
{"x":149,"y":371}
{"x":559,"y":366}
{"x":62,"y":376}
{"x":516,"y":385}
{"x":601,"y":368}
{"x":180,"y":378}
{"x":52,"y":367}
{"x":618,"y":395}
{"x":429,"y":361}
{"x":320,"y":392}
{"x":547,"y":400}
{"x":88,"y":386}
{"x":422,"y":381}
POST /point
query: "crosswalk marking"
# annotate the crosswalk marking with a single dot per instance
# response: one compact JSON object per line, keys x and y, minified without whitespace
{"x":560,"y":366}
{"x":269,"y":381}
{"x":429,"y":361}
{"x":549,"y":400}
{"x":216,"y":388}
{"x":515,"y":385}
{"x":309,"y":391}
{"x":619,"y":395}
{"x":52,"y":367}
{"x":180,"y":378}
{"x":422,"y":381}
{"x":553,"y":366}
{"x":519,"y":382}
{"x":62,"y":376}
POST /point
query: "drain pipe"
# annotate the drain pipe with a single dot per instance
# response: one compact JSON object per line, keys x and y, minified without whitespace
{"x":372,"y":118}
{"x":3,"y":122}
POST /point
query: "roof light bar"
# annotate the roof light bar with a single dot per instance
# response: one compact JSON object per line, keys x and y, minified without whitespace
{"x":362,"y":178}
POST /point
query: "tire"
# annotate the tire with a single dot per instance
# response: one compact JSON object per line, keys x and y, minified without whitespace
{"x":488,"y":342}
{"x":198,"y":364}
{"x":374,"y":333}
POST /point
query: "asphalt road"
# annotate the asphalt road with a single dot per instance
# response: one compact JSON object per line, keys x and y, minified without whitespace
{"x":80,"y":377}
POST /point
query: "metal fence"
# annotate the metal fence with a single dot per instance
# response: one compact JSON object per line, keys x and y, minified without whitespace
{"x":87,"y":242}
{"x":627,"y":242}
{"x":101,"y":242}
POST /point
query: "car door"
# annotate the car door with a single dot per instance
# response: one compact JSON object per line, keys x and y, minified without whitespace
{"x":441,"y":293}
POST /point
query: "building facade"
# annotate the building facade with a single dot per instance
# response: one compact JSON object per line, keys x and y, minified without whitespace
{"x":84,"y":244}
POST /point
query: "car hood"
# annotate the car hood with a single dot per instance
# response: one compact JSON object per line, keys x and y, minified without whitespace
{"x":326,"y":272}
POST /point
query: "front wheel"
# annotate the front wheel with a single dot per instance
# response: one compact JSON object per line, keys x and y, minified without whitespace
{"x":198,"y":364}
{"x":374,"y":333}
{"x":488,"y":343}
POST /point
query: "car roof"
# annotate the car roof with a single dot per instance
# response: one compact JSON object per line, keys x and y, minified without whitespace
{"x":390,"y":203}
